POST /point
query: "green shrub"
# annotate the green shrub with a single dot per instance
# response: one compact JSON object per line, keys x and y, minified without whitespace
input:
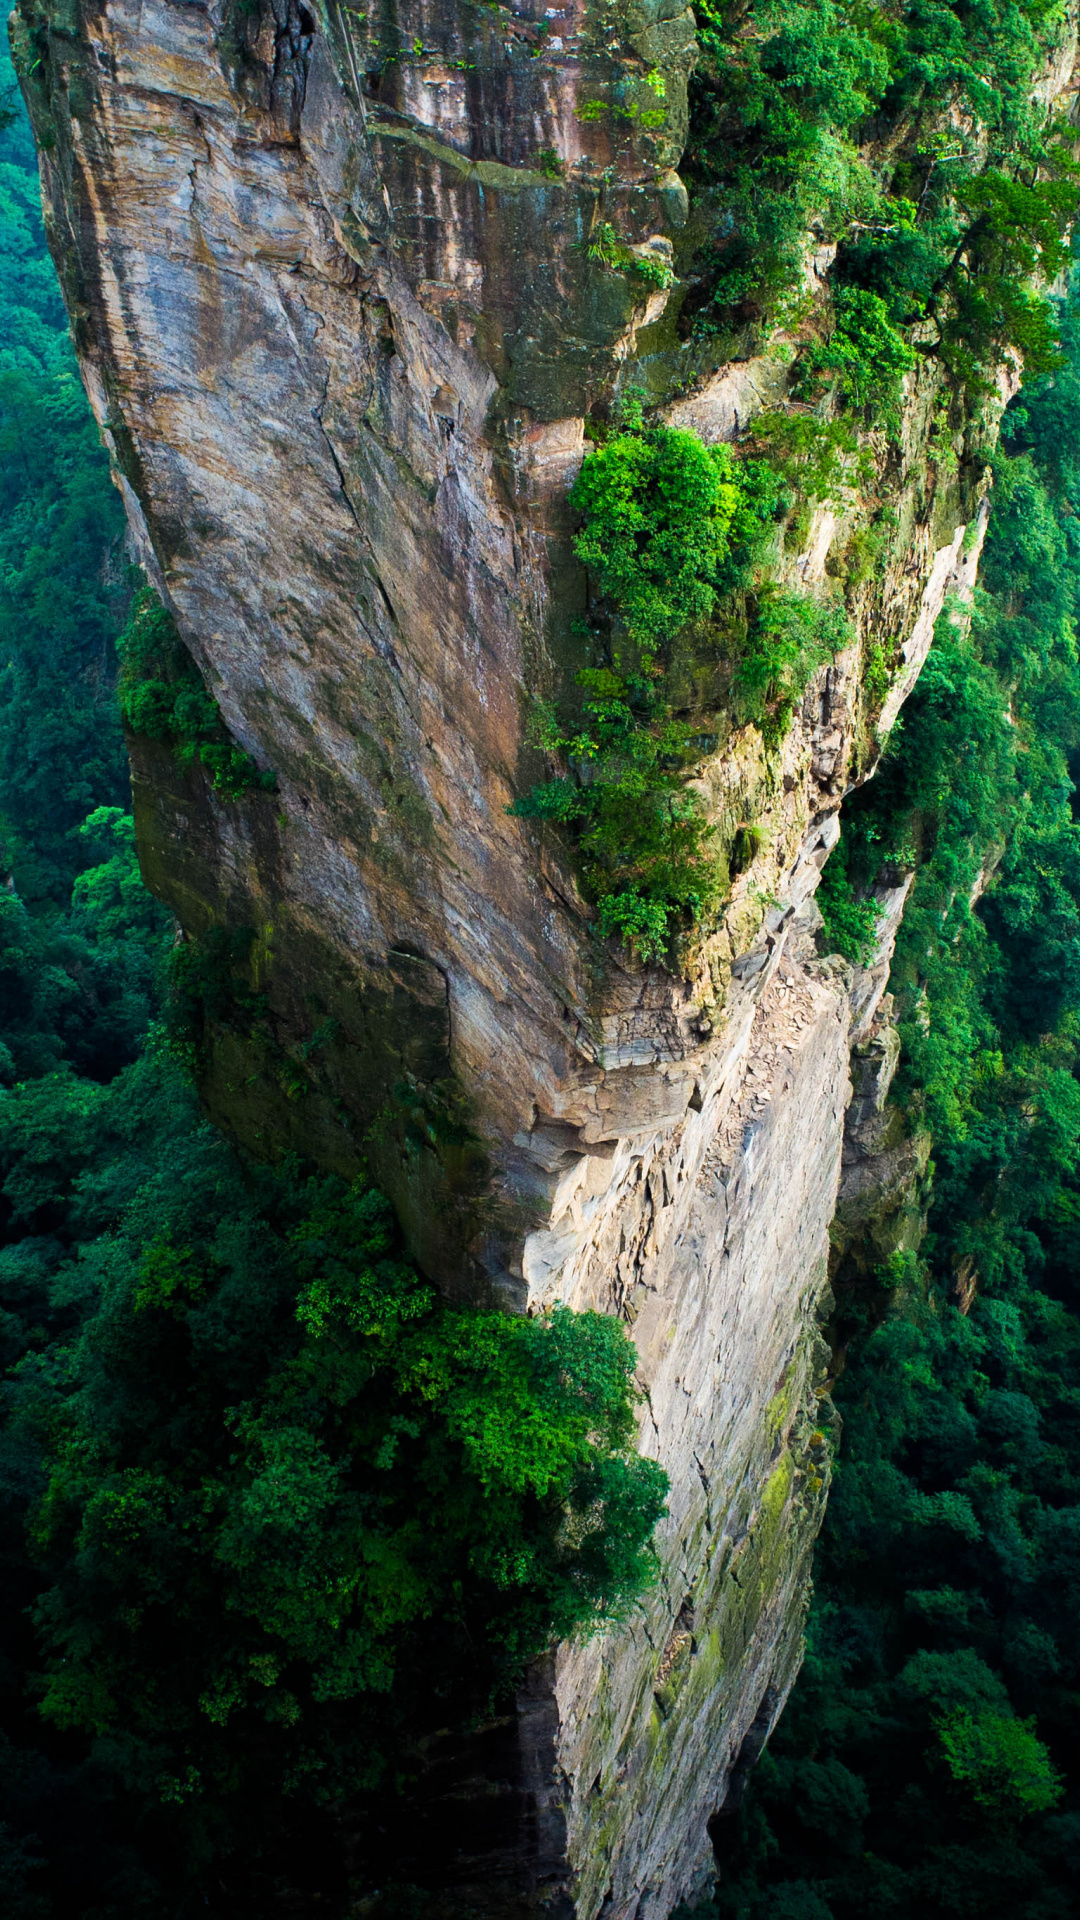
{"x":1004,"y":1766}
{"x":642,"y":835}
{"x":865,"y":353}
{"x":786,"y":97}
{"x":877,"y":677}
{"x":658,"y":509}
{"x":791,"y":636}
{"x":605,"y":247}
{"x":162,"y":696}
{"x":671,"y":527}
{"x":109,"y":900}
{"x":817,"y":460}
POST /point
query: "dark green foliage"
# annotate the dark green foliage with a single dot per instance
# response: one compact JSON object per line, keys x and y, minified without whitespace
{"x":642,"y":833}
{"x":291,"y":1506}
{"x":292,"y":1496}
{"x":162,"y":695}
{"x":850,"y":922}
{"x":79,"y":989}
{"x":927,"y":1758}
{"x":61,"y":577}
{"x":927,"y":1762}
{"x":771,"y":152}
{"x":950,"y":231}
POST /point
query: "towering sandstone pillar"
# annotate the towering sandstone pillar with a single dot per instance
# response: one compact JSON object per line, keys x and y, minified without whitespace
{"x":330,"y":279}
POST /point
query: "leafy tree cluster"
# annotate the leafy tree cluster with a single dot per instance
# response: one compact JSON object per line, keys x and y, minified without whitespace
{"x":273,"y":1505}
{"x":640,"y":829}
{"x":79,"y":988}
{"x":671,"y":530}
{"x":951,"y":232}
{"x":289,"y":1507}
{"x":927,"y":1762}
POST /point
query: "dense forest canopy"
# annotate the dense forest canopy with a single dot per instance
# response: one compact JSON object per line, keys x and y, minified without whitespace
{"x":220,"y":1380}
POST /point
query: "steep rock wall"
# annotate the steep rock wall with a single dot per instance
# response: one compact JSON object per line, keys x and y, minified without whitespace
{"x":332,"y":294}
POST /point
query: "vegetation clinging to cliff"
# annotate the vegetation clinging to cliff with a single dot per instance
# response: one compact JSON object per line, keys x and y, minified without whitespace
{"x":658,"y":508}
{"x":162,"y":696}
{"x":945,"y":232}
{"x":641,"y":831}
{"x":927,"y":1762}
{"x":672,"y":530}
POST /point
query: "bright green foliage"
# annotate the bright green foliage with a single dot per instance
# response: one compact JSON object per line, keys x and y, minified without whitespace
{"x":605,"y":247}
{"x":1006,"y":1769}
{"x":653,"y":268}
{"x":673,"y":532}
{"x":291,"y":1488}
{"x":642,"y":834}
{"x":162,"y":695}
{"x":109,"y":899}
{"x":658,"y":509}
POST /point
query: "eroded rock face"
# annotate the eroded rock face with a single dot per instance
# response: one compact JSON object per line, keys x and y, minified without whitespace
{"x":337,"y":314}
{"x":724,"y":1221}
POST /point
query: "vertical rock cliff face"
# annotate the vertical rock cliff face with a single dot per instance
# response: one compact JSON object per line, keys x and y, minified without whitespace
{"x":331,"y":289}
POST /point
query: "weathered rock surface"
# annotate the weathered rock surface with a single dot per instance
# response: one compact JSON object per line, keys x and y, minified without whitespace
{"x":334,"y":303}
